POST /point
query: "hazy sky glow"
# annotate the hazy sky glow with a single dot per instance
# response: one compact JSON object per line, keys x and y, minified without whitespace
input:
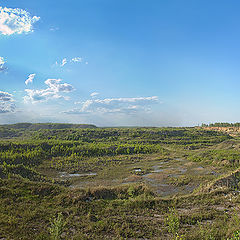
{"x":121,"y":62}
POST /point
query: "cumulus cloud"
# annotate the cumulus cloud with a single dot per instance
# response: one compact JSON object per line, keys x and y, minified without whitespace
{"x":53,"y":91}
{"x":16,"y":21}
{"x":6,"y":102}
{"x":5,"y":97}
{"x":56,"y":86}
{"x":115,"y":105}
{"x":30,"y":78}
{"x":2,"y":62}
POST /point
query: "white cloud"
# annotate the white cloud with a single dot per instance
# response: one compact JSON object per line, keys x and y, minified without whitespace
{"x":64,"y":61}
{"x":16,"y":20}
{"x":53,"y":91}
{"x":56,"y":86}
{"x":94,"y":94}
{"x":2,"y":62}
{"x":6,"y":102}
{"x":76,"y":59}
{"x":5,"y":96}
{"x":30,"y":78}
{"x":115,"y":105}
{"x":53,"y":29}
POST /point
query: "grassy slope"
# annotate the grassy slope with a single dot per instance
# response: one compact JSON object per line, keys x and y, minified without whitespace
{"x":128,"y":212}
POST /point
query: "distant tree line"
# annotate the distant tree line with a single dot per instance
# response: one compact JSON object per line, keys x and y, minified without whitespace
{"x":221,"y":124}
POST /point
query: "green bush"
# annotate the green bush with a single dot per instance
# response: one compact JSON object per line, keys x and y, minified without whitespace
{"x":56,"y":227}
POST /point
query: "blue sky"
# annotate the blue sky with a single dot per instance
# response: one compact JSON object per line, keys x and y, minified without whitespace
{"x":116,"y":63}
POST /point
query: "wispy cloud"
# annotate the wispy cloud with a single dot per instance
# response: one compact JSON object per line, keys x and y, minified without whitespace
{"x":94,"y":94}
{"x":2,"y":62}
{"x":76,"y":59}
{"x":53,"y":29}
{"x":16,"y":20}
{"x":6,"y":102}
{"x":53,"y":91}
{"x":30,"y":78}
{"x":65,"y":61}
{"x":115,"y":105}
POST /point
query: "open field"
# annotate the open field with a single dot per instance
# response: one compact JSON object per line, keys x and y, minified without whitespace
{"x":74,"y":182}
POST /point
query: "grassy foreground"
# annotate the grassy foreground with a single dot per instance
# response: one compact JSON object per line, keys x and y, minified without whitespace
{"x":119,"y":183}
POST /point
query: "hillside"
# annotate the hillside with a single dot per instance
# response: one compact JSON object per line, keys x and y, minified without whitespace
{"x":24,"y":129}
{"x":232,"y":131}
{"x":37,"y":126}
